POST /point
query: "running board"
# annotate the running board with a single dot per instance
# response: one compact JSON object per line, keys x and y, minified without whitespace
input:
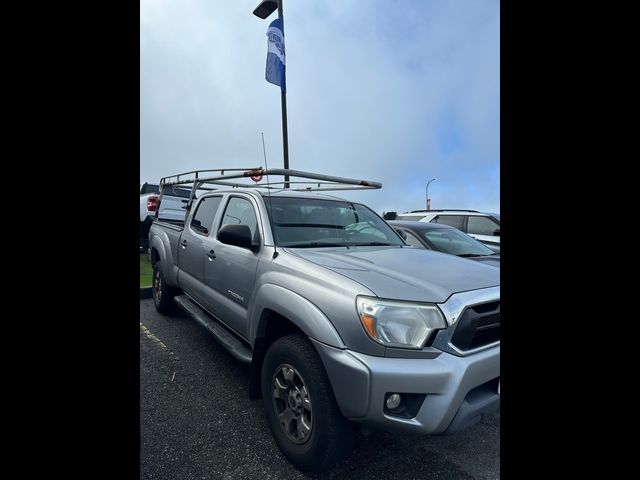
{"x":228,"y":339}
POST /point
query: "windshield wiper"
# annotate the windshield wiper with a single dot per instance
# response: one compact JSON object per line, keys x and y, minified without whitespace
{"x":466,"y":255}
{"x":315,"y":244}
{"x":372,"y":244}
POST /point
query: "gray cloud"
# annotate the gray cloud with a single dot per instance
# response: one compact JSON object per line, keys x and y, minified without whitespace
{"x":399,"y":92}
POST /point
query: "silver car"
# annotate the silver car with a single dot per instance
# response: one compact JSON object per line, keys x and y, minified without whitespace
{"x":484,"y":227}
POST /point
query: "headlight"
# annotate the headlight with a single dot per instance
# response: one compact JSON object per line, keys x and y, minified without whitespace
{"x":398,"y":324}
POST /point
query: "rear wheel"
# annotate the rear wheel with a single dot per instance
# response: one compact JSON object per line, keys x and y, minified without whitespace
{"x":300,"y":406}
{"x":162,"y":293}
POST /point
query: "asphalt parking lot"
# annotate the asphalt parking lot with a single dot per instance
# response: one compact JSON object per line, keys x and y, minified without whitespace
{"x":197,"y":422}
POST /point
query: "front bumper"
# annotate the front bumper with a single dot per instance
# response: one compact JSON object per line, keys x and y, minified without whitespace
{"x":459,"y":390}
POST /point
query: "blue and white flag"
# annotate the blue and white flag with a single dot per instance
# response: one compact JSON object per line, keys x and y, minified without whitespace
{"x":275,"y":54}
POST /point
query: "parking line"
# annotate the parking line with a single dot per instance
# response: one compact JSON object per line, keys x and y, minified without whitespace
{"x":148,"y":333}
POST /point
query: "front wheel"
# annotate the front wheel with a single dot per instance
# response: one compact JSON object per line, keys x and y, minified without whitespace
{"x":301,"y":409}
{"x":162,"y":293}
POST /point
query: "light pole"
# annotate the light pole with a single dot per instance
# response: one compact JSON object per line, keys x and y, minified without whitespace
{"x":427,"y":192}
{"x":263,"y":10}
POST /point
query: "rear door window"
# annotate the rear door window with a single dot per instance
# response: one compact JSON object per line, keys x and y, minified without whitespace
{"x":456,"y":221}
{"x":202,"y":221}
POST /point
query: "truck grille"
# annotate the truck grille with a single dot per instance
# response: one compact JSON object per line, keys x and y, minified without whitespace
{"x":478,"y":326}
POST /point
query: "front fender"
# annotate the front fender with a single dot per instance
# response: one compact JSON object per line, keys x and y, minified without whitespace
{"x":298,"y":310}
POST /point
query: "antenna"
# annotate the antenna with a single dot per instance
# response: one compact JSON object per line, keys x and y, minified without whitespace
{"x":273,"y":232}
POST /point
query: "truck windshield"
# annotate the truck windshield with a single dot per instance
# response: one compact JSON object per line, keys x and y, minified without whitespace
{"x":311,"y":222}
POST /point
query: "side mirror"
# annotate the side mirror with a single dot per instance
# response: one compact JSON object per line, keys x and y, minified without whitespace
{"x":401,"y":233}
{"x":238,"y":235}
{"x":496,"y":232}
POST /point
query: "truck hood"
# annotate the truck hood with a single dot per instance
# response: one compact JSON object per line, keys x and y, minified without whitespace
{"x":493,"y":260}
{"x":404,"y":273}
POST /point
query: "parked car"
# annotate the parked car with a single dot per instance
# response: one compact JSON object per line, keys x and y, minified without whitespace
{"x":172,"y":208}
{"x":341,"y":322}
{"x":445,"y":239}
{"x":484,"y":227}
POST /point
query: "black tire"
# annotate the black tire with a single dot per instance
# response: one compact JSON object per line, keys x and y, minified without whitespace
{"x":331,"y":435}
{"x":162,"y":293}
{"x":145,"y":226}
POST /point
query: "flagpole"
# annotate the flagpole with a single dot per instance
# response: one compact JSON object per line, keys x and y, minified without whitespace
{"x":263,"y":10}
{"x":283,"y":102}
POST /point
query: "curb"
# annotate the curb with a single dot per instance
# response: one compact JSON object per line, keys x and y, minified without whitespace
{"x":146,"y":292}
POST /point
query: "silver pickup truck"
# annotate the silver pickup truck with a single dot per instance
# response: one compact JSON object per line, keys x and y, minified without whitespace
{"x":341,"y":321}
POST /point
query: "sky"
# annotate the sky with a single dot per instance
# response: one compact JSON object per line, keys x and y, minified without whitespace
{"x":395,"y":91}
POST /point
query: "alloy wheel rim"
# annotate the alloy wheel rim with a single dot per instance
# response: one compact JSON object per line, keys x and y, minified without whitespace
{"x":157,"y":285}
{"x":292,"y":404}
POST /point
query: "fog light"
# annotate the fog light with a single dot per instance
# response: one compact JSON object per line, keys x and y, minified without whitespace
{"x":393,"y":401}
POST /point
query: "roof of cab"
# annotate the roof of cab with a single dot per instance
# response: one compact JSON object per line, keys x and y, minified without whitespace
{"x":279,"y":193}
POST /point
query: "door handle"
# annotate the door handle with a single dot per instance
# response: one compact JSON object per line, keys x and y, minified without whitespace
{"x":211,"y":254}
{"x":184,"y":244}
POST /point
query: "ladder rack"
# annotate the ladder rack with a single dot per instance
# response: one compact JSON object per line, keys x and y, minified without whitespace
{"x":298,"y":181}
{"x":198,"y":178}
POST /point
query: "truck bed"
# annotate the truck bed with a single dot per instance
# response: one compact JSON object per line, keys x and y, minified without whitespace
{"x":174,"y":224}
{"x":167,"y":235}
